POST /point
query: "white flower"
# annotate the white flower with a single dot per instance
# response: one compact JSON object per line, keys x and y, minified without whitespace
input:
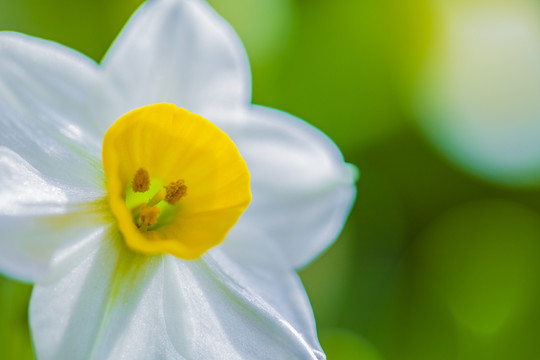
{"x":62,"y":224}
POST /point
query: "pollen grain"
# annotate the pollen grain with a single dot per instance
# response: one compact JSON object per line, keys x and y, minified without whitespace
{"x":141,"y":181}
{"x":175,"y":191}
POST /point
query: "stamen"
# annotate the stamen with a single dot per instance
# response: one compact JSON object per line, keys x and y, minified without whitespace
{"x":148,"y":217}
{"x":141,"y":181}
{"x":148,"y":213}
{"x":175,"y":191}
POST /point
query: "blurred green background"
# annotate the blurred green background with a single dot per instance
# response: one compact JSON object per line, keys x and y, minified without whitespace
{"x":438,"y":104}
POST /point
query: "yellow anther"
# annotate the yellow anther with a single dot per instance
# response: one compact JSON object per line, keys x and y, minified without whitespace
{"x":175,"y":191}
{"x":148,"y":216}
{"x":141,"y":181}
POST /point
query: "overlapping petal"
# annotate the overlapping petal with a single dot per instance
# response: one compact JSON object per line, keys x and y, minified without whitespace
{"x":46,"y":110}
{"x":113,"y":309}
{"x":221,"y":316}
{"x":302,"y":189}
{"x":180,"y":52}
{"x":141,"y":307}
{"x":49,"y":150}
{"x":33,"y":217}
{"x":259,"y":265}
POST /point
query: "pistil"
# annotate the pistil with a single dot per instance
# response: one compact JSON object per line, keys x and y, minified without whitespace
{"x":148,"y":217}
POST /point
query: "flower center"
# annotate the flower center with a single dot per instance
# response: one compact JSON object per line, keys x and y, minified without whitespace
{"x":150,"y":157}
{"x":146,"y":215}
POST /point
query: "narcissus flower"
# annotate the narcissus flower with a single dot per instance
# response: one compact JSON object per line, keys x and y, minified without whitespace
{"x":130,"y":214}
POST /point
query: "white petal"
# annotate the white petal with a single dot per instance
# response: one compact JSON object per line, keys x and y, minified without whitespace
{"x":257,"y":265}
{"x":302,"y":189}
{"x":114,"y":304}
{"x":108,"y":306}
{"x":214,"y":308}
{"x":49,"y":151}
{"x":181,"y":52}
{"x":44,"y":117}
{"x":33,"y":217}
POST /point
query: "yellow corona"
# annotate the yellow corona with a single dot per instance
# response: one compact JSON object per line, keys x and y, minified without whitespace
{"x":176,"y":183}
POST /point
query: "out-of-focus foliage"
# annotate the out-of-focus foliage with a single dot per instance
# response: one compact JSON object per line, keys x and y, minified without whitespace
{"x":15,"y":340}
{"x":436,"y":101}
{"x":344,"y":345}
{"x":265,"y":25}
